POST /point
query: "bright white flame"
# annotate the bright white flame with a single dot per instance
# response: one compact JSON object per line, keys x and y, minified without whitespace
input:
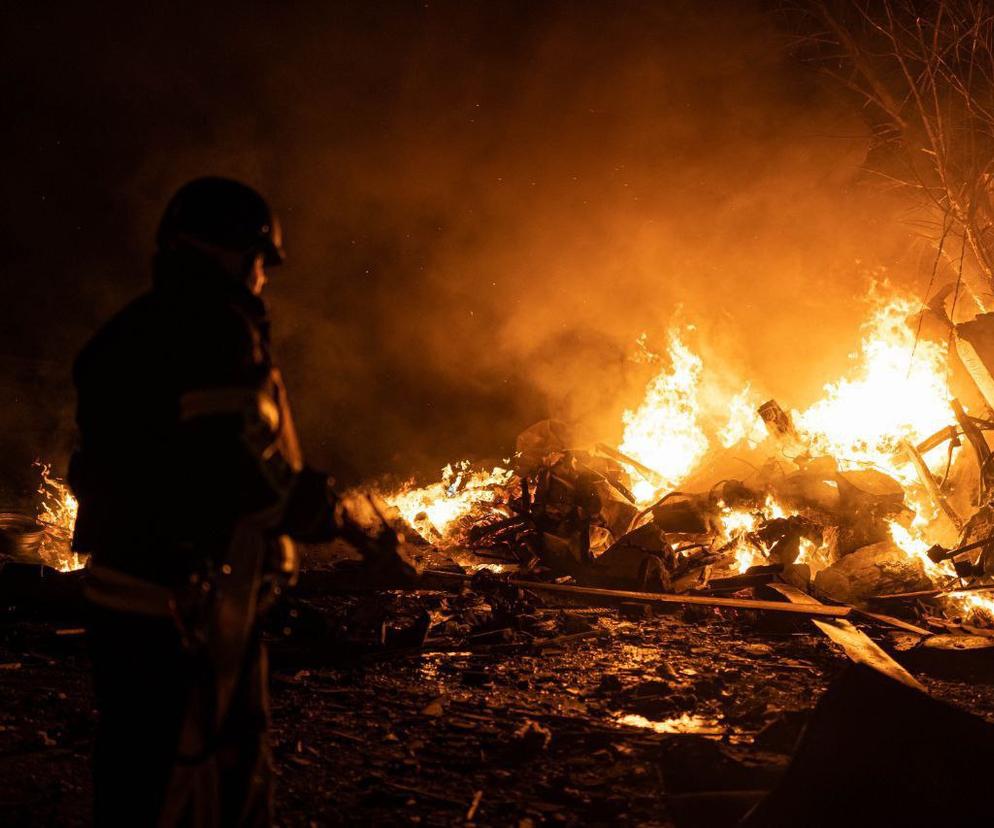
{"x":642,"y":490}
{"x":744,"y":423}
{"x":434,"y":509}
{"x":664,"y":432}
{"x":684,"y":723}
{"x":889,"y":397}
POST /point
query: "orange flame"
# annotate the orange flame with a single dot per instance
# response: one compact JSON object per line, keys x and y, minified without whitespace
{"x":434,"y":510}
{"x":897,"y":390}
{"x":664,"y":432}
{"x":890,"y":396}
{"x":58,"y":514}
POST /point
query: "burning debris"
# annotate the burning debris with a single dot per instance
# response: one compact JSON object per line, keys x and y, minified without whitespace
{"x":848,"y":499}
{"x":46,"y":535}
{"x":57,"y":513}
{"x":845,"y":499}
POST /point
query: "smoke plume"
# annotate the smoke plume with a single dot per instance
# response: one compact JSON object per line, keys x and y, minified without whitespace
{"x":485,"y":204}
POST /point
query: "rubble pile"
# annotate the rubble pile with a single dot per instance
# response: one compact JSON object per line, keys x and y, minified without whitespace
{"x":877,"y":496}
{"x":569,"y":515}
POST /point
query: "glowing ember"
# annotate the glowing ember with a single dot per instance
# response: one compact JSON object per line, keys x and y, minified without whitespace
{"x":58,"y":514}
{"x":737,"y":524}
{"x":816,"y":557}
{"x":976,"y":606}
{"x":684,"y":723}
{"x":912,"y":542}
{"x":497,"y":569}
{"x":434,"y":510}
{"x":664,"y":432}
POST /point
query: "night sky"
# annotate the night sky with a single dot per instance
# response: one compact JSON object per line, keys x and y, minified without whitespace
{"x":484,"y":203}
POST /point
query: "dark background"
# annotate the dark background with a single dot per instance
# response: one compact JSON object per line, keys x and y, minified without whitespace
{"x":484,"y":205}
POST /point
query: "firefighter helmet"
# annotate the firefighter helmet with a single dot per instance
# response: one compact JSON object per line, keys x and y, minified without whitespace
{"x":220,"y":214}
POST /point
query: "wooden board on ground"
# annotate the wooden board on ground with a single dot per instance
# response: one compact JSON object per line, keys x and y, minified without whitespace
{"x":622,"y":595}
{"x":857,"y":645}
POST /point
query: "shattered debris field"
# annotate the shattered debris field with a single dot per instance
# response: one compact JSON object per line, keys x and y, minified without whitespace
{"x":516,"y":709}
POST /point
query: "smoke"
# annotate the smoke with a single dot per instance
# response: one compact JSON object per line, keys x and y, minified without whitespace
{"x":485,"y":203}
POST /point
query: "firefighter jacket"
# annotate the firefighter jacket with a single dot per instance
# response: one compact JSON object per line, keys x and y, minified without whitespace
{"x":185,"y":431}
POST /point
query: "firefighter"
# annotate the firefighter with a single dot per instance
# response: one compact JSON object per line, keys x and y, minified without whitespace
{"x":191,"y":491}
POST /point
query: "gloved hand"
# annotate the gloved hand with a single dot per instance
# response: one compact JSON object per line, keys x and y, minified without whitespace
{"x":391,"y":559}
{"x":387,"y":558}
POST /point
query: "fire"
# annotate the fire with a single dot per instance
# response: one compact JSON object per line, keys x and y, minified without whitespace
{"x":891,"y":396}
{"x":861,"y":420}
{"x":737,"y":524}
{"x":58,"y":514}
{"x":896,"y":391}
{"x":967,"y":604}
{"x":664,"y":432}
{"x":434,"y":510}
{"x":743,"y":421}
{"x":816,"y":557}
{"x":975,"y":605}
{"x":912,"y":542}
{"x":684,"y":723}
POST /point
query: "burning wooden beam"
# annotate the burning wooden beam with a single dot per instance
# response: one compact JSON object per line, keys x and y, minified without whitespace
{"x":930,"y":485}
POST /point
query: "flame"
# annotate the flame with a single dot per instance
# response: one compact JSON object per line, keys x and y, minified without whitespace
{"x":684,"y":723}
{"x":912,"y":542}
{"x":973,"y":605}
{"x":816,"y":557}
{"x":58,"y":514}
{"x":976,"y":606}
{"x":737,"y":524}
{"x":664,"y":432}
{"x":434,"y":510}
{"x":896,"y":391}
{"x":744,"y":423}
{"x":643,"y":490}
{"x":891,"y":396}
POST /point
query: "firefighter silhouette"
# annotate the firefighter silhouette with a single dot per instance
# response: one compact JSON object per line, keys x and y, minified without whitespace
{"x":191,"y":491}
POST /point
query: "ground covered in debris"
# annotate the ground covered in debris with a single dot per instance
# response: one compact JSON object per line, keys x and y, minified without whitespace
{"x":591,"y":717}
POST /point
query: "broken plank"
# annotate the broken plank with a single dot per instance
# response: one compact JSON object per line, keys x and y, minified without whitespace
{"x":890,"y":620}
{"x":933,"y":593}
{"x":930,"y":485}
{"x":614,"y":595}
{"x":856,"y":644}
{"x":959,"y":628}
{"x":737,"y":582}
